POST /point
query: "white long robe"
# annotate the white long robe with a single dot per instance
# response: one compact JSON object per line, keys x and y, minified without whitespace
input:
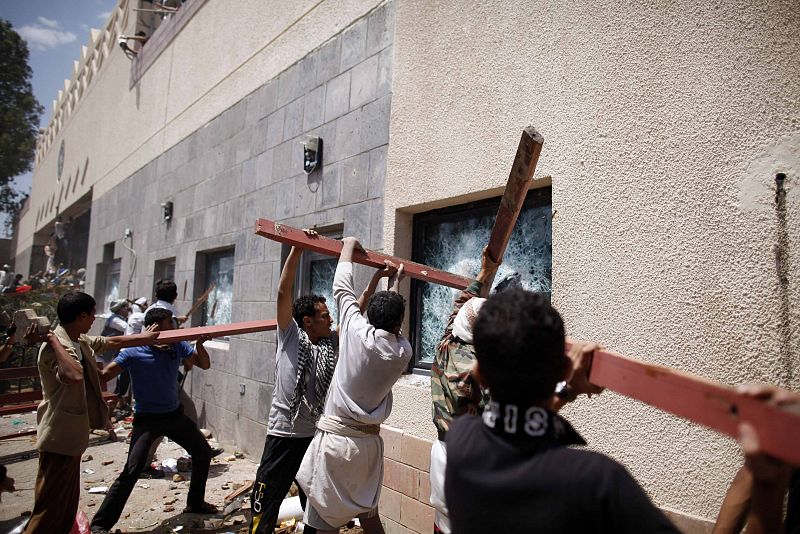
{"x":342,"y":472}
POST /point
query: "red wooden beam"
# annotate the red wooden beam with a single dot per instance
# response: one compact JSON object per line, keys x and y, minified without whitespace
{"x":699,"y":400}
{"x":221,"y":330}
{"x":519,"y":181}
{"x":18,"y":372}
{"x":332,"y":247}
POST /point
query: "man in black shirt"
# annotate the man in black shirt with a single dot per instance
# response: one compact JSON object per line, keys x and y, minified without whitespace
{"x":515,"y":462}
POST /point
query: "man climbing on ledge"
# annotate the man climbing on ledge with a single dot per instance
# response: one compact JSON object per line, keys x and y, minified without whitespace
{"x":454,"y":391}
{"x":342,"y":471}
{"x":154,"y":372}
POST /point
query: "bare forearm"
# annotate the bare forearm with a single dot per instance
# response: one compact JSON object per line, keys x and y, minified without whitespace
{"x":284,"y":298}
{"x":68,"y":368}
{"x":348,"y":246}
{"x":203,"y":359}
{"x":121,"y":342}
{"x":369,"y":291}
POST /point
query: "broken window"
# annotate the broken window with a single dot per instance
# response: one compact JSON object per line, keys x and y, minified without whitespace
{"x":453,"y":238}
{"x":112,"y":284}
{"x":219,"y":272}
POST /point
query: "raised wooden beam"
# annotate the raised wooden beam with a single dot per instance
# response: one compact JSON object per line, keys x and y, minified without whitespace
{"x":221,"y":330}
{"x":332,"y":247}
{"x":519,"y":181}
{"x":699,"y":400}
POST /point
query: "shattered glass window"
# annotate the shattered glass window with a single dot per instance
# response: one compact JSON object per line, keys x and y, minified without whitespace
{"x":321,"y":273}
{"x":452,"y":239}
{"x":219,"y":271}
{"x":112,"y":284}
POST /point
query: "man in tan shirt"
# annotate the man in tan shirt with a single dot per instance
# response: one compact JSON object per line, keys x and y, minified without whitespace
{"x":72,"y":404}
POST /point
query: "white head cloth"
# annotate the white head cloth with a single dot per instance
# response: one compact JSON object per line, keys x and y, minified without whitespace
{"x":465,"y":320}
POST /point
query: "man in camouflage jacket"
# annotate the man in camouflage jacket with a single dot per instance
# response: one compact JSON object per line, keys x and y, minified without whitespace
{"x":453,"y":389}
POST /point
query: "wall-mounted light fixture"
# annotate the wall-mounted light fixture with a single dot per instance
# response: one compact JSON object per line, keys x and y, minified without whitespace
{"x":166,"y":210}
{"x":312,"y":153}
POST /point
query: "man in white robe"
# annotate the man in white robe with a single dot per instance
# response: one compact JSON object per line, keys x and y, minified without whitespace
{"x":342,"y":471}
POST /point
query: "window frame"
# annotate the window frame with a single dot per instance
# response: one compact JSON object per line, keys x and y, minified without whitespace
{"x":204,"y":259}
{"x":538,"y":197}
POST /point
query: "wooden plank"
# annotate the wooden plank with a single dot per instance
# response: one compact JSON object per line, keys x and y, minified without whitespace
{"x":186,"y":334}
{"x":248,"y":485}
{"x":519,"y":181}
{"x":699,"y":400}
{"x":18,"y":434}
{"x":332,"y":247}
{"x":13,"y":373}
{"x":200,"y":300}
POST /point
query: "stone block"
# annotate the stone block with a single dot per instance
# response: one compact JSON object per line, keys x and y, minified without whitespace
{"x":337,"y":96}
{"x":328,"y":62}
{"x":305,"y":195}
{"x":259,"y":140}
{"x":385,"y":71}
{"x":249,"y":175}
{"x":282,"y":162}
{"x":242,"y":145}
{"x":424,"y":494}
{"x":349,"y":134}
{"x":260,"y":205}
{"x":288,"y":86}
{"x":377,"y":172}
{"x":416,"y":515}
{"x":251,"y":392}
{"x":262,"y":101}
{"x":376,"y":225}
{"x":263,"y":169}
{"x":243,"y":358}
{"x":354,"y":45}
{"x":262,"y":282}
{"x":393,"y":527}
{"x":251,"y":437}
{"x":307,"y":73}
{"x":293,"y":119}
{"x":416,"y":452}
{"x":400,"y":477}
{"x":355,"y":174}
{"x":389,"y":503}
{"x":275,"y":128}
{"x":375,"y":123}
{"x":284,"y":206}
{"x":330,"y":186}
{"x":380,"y":28}
{"x":314,"y":108}
{"x":392,"y":442}
{"x":364,"y":82}
{"x":357,"y":218}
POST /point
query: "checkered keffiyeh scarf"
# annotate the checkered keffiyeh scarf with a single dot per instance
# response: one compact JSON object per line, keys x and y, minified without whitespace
{"x":323,"y":367}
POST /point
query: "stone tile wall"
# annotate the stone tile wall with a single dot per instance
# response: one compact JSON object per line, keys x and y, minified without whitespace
{"x":246,"y":164}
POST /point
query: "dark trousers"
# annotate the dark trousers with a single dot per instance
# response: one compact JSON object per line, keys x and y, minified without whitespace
{"x":146,"y":429}
{"x":56,"y":495}
{"x":279,"y":464}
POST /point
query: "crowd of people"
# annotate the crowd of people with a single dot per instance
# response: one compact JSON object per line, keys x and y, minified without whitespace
{"x":500,"y":375}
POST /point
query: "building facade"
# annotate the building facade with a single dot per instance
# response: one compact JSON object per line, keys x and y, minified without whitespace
{"x":655,"y":222}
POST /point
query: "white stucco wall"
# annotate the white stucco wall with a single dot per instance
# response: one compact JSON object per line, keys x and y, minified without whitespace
{"x":226,"y":51}
{"x":664,"y":126}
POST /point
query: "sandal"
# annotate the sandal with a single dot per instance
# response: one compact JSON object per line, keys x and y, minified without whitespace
{"x":205,"y":508}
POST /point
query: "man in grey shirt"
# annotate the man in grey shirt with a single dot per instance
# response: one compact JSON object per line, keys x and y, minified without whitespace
{"x":305,"y":361}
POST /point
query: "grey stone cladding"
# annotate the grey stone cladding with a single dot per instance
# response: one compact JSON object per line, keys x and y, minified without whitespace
{"x":246,"y":164}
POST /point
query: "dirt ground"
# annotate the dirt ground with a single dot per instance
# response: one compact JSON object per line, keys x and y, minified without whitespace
{"x":155,"y":504}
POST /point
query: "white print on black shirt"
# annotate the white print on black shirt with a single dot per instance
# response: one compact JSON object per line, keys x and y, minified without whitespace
{"x":535,"y":422}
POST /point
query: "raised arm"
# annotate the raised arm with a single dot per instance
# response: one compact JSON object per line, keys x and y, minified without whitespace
{"x":286,"y":285}
{"x":68,"y":369}
{"x":199,"y":356}
{"x":120,"y":342}
{"x":388,"y":270}
{"x":486,"y":274}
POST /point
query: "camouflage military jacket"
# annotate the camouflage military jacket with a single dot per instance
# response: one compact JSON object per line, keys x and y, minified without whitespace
{"x":453,"y":390}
